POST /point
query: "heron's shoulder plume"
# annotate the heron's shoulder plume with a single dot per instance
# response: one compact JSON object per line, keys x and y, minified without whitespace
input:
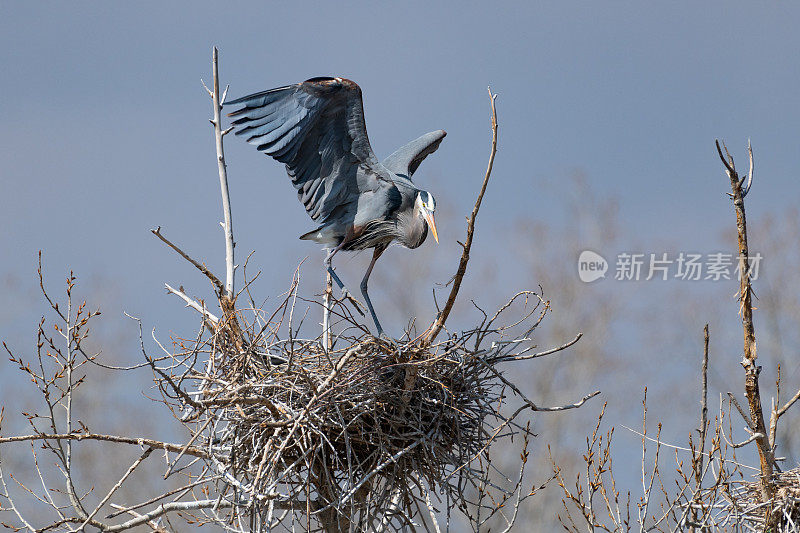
{"x":330,"y":85}
{"x":258,"y":99}
{"x":320,"y":79}
{"x":318,"y":83}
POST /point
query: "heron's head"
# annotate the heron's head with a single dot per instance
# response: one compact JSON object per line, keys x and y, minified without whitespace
{"x":426,"y":205}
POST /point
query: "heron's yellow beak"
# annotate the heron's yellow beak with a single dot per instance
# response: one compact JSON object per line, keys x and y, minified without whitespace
{"x":432,"y":224}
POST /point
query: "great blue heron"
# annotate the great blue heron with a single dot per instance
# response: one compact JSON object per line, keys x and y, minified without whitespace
{"x":317,"y":129}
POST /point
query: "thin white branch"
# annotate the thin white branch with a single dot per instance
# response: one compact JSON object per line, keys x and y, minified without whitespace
{"x":121,"y":510}
{"x":550,"y":351}
{"x":119,"y":483}
{"x":70,"y":486}
{"x":45,"y":490}
{"x":777,"y":413}
{"x":571,"y":405}
{"x":135,"y":441}
{"x":709,"y":455}
{"x":394,"y":504}
{"x":750,"y":173}
{"x":326,"y":314}
{"x":224,"y":95}
{"x":788,"y":404}
{"x":753,"y":437}
{"x":12,"y":505}
{"x":431,"y":510}
{"x":165,"y":508}
{"x":223,"y":178}
{"x":192,"y":303}
{"x":211,"y":94}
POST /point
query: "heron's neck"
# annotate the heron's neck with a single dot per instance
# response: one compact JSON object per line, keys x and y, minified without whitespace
{"x":413,"y":228}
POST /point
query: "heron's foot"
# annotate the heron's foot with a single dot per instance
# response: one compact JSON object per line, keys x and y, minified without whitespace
{"x":383,"y":336}
{"x":358,"y":306}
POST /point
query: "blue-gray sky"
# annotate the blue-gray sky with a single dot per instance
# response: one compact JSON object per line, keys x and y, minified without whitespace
{"x":104,"y":119}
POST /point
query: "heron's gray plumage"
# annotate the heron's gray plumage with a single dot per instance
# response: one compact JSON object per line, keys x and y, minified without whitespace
{"x":317,"y":129}
{"x":406,"y":159}
{"x":407,"y":229}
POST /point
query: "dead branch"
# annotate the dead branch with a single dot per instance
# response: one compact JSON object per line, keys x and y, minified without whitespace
{"x":202,"y":268}
{"x":136,"y":441}
{"x":752,"y":370}
{"x":699,"y":457}
{"x":223,"y":177}
{"x":441,"y":318}
{"x":777,"y":413}
{"x":194,"y":304}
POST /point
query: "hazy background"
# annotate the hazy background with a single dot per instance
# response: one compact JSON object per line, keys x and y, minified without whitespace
{"x":608,"y":114}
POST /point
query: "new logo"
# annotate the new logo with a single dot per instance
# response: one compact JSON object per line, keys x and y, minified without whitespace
{"x":591,"y":266}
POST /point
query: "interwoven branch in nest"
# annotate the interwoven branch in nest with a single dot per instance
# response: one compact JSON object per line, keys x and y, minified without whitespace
{"x":337,"y":437}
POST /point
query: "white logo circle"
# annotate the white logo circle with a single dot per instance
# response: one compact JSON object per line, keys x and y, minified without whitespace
{"x":591,"y":266}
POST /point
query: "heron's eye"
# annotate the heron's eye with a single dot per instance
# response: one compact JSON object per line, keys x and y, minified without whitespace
{"x":426,"y":199}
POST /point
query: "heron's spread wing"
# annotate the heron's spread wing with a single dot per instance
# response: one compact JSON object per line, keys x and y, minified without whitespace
{"x":317,"y":129}
{"x":406,"y":159}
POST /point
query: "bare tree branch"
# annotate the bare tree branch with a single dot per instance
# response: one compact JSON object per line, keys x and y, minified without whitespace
{"x":192,"y":303}
{"x":752,"y":370}
{"x":438,"y":324}
{"x":214,"y":279}
{"x":223,"y":179}
{"x":116,"y":487}
{"x":788,"y":404}
{"x":136,"y":441}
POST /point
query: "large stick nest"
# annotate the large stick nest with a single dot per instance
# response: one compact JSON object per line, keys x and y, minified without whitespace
{"x":369,"y":409}
{"x":363,"y":428}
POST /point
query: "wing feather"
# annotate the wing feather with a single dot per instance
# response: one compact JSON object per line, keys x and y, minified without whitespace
{"x":316,"y":128}
{"x":406,"y":159}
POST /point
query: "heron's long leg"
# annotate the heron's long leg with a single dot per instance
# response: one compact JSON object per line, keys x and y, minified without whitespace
{"x":327,"y":262}
{"x":345,"y":293}
{"x":375,"y":255}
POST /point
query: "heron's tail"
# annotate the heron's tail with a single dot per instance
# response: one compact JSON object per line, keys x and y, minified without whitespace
{"x":322,"y":235}
{"x":311,"y":235}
